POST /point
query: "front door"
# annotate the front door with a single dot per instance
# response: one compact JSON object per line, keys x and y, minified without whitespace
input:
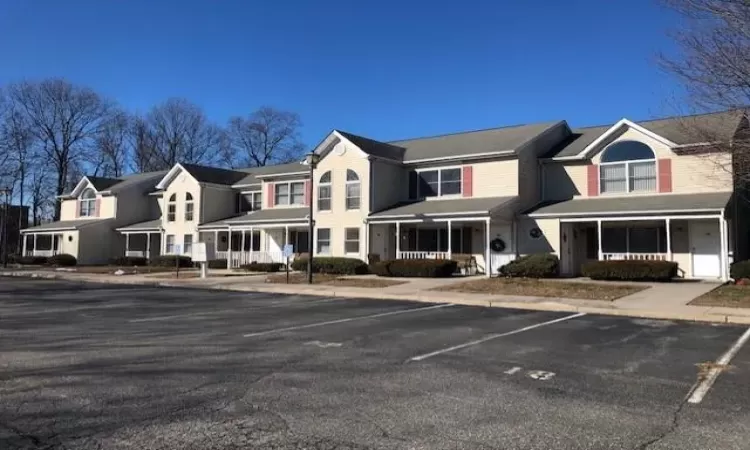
{"x":705,"y":245}
{"x":566,"y":248}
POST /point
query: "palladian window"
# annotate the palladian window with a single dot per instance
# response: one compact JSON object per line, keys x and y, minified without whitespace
{"x":627,"y":166}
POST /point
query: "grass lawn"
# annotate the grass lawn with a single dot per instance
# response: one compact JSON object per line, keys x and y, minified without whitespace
{"x":332,"y":280}
{"x":129,"y":270}
{"x":729,"y":295}
{"x":545,"y":288}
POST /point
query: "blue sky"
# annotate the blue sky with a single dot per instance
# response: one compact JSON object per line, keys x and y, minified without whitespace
{"x":386,"y":69}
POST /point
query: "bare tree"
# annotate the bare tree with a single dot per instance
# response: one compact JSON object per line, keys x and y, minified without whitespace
{"x":65,"y":118}
{"x":112,"y":149}
{"x":141,"y":143}
{"x":267,"y":136}
{"x":176,"y":131}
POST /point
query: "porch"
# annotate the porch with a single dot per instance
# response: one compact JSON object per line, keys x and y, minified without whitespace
{"x":143,"y":239}
{"x":263,"y":245}
{"x":42,"y":244}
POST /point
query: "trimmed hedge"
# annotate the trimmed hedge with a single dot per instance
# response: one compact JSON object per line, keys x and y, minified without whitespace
{"x":630,"y":270}
{"x":541,"y":265}
{"x":332,"y":265}
{"x":262,"y":267}
{"x":171,"y":261}
{"x":62,"y":260}
{"x":32,"y":260}
{"x":217,"y":264}
{"x":418,"y":268}
{"x":740,"y":270}
{"x":129,"y":261}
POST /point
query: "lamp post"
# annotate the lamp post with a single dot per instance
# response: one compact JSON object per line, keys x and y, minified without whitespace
{"x":4,"y":229}
{"x":312,"y":160}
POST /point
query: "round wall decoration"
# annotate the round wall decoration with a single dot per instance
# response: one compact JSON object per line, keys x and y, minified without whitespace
{"x":497,"y":245}
{"x":340,"y":150}
{"x":535,"y":233}
{"x":70,"y":238}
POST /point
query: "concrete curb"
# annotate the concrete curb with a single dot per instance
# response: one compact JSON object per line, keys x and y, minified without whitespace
{"x":534,"y":303}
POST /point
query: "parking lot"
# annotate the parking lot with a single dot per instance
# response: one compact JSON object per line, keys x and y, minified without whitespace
{"x":129,"y":367}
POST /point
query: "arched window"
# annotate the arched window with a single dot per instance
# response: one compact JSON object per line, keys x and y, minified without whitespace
{"x":87,"y":201}
{"x":627,"y":166}
{"x":172,"y":208}
{"x":188,"y":207}
{"x":324,"y":192}
{"x":352,"y":189}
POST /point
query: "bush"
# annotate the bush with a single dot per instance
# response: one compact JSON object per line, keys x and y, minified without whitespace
{"x":630,"y":270}
{"x":171,"y":261}
{"x":262,"y":267}
{"x":128,"y":261}
{"x":422,"y":268}
{"x":380,"y":268}
{"x":32,"y":260}
{"x":62,"y":260}
{"x":740,"y":269}
{"x":332,"y":265}
{"x":541,"y":265}
{"x":217,"y":264}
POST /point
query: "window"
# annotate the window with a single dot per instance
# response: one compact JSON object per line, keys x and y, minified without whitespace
{"x":352,"y":189}
{"x":249,"y":201}
{"x":172,"y":208}
{"x":87,"y":203}
{"x":188,"y":207}
{"x":324,"y":192}
{"x":324,"y":240}
{"x":187,"y":244}
{"x":351,"y":240}
{"x":170,"y":243}
{"x":627,"y":166}
{"x":256,"y":201}
{"x":436,"y":183}
{"x":289,"y":193}
{"x":636,"y":239}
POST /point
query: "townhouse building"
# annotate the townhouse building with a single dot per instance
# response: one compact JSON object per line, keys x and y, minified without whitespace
{"x":631,"y":190}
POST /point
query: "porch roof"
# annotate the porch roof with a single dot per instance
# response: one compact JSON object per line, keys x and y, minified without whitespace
{"x":62,"y":225}
{"x":149,"y":225}
{"x":481,"y":206}
{"x":636,"y":204}
{"x":267,"y":216}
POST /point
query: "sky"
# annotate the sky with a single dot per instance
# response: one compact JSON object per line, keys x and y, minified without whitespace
{"x":384,"y":69}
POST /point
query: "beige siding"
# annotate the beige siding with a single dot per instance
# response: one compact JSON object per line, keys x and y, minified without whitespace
{"x":496,"y":178}
{"x":564,"y":181}
{"x":549,"y":242}
{"x":180,"y":185}
{"x":107,"y":206}
{"x":69,"y":244}
{"x":701,"y":173}
{"x":217,"y":203}
{"x":338,"y":219}
{"x":528,"y":180}
{"x":681,"y":247}
{"x":68,"y":209}
{"x":392,"y":184}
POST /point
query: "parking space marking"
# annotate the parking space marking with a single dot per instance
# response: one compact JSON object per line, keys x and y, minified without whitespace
{"x":494,"y":336}
{"x":704,"y":385}
{"x":348,"y":319}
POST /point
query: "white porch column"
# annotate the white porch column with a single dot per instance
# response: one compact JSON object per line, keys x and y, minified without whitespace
{"x":599,"y":238}
{"x":450,"y":249}
{"x":242,"y":249}
{"x":229,"y":248}
{"x":148,"y":245}
{"x":216,"y":240}
{"x":25,"y":241}
{"x":35,"y":235}
{"x":252,"y":238}
{"x":286,"y":235}
{"x":398,"y":240}
{"x":487,"y":262}
{"x":723,"y":253}
{"x":669,"y":239}
{"x":127,"y":243}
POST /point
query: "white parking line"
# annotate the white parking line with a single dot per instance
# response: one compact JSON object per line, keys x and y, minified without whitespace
{"x":493,"y":336}
{"x":349,"y":319}
{"x":702,"y":388}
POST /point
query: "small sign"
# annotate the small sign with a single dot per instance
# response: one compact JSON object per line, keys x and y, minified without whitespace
{"x":288,"y":250}
{"x":177,"y":250}
{"x":199,"y":253}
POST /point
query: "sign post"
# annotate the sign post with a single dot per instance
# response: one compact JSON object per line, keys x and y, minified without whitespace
{"x":177,"y":254}
{"x":288,"y":251}
{"x":202,"y":253}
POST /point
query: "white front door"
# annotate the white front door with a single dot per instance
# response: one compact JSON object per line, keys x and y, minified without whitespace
{"x":566,"y":248}
{"x":275,"y":240}
{"x":705,"y":246}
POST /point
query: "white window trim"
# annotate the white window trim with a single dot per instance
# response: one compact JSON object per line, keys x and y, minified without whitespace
{"x":330,"y":196}
{"x":184,"y":244}
{"x":192,"y":212}
{"x":317,"y":241}
{"x":90,"y":202}
{"x":358,"y":241}
{"x":171,"y":203}
{"x":440,"y":187}
{"x":627,"y":176}
{"x":289,"y":194}
{"x":346,"y":192}
{"x":167,"y":250}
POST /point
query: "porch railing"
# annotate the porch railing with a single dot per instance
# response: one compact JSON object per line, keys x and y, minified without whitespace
{"x":46,"y":253}
{"x":423,"y":255}
{"x":135,"y":253}
{"x":629,"y":256}
{"x":241,"y":258}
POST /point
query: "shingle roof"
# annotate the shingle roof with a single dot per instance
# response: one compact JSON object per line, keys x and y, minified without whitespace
{"x":250,"y":174}
{"x":375,"y":148}
{"x":154,"y":224}
{"x":478,"y":205}
{"x":64,"y":225}
{"x":712,"y":201}
{"x":681,"y":130}
{"x":214,"y":175}
{"x":102,"y":183}
{"x":264,"y":215}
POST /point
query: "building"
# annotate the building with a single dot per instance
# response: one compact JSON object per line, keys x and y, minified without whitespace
{"x":646,"y":190}
{"x":18,"y":219}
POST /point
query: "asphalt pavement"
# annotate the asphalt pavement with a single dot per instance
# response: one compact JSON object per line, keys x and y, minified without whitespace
{"x":85,"y":366}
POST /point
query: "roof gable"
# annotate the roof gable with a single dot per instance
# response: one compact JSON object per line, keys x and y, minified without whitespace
{"x":202,"y":174}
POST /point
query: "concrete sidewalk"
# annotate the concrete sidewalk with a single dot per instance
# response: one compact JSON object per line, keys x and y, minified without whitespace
{"x":660,"y":301}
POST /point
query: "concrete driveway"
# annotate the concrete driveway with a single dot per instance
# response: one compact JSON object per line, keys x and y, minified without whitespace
{"x":118,"y":367}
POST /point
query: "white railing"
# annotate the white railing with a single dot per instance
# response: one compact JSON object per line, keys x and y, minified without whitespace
{"x":423,"y":255}
{"x":241,"y":258}
{"x":628,"y":256}
{"x":46,"y":253}
{"x":135,"y":253}
{"x":498,"y":260}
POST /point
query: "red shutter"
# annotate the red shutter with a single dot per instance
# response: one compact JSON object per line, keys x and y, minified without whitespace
{"x":97,"y":203}
{"x":271,"y":193}
{"x":468,"y":181}
{"x":78,"y":209}
{"x":308,"y":192}
{"x":593,"y":180}
{"x":665,"y":175}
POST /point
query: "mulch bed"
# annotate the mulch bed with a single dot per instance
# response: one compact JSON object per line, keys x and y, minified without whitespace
{"x":545,"y":288}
